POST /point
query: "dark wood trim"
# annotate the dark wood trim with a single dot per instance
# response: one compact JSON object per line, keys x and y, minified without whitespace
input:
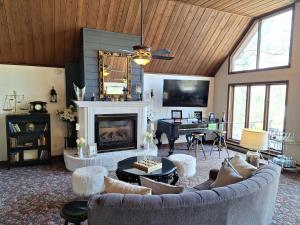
{"x":237,"y":43}
{"x":247,"y":110}
{"x":267,"y":107}
{"x":36,"y":65}
{"x":54,"y":159}
{"x":259,"y":70}
{"x":259,"y":19}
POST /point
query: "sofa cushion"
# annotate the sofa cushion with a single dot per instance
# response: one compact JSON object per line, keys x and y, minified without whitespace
{"x":204,"y":186}
{"x":159,"y":188}
{"x":117,"y":186}
{"x":245,"y":169}
{"x":227,"y":175}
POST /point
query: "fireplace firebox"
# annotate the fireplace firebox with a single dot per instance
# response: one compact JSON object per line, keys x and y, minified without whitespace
{"x":116,"y":132}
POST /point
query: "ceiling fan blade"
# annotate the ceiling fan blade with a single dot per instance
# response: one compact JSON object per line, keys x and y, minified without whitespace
{"x":162,"y":57}
{"x":162,"y":52}
{"x":126,"y":51}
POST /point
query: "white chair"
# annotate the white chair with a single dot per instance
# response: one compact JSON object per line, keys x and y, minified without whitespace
{"x":89,"y":180}
{"x":185,"y":164}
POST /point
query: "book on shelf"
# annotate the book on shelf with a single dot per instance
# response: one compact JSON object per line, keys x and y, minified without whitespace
{"x":44,"y":154}
{"x":14,"y":128}
{"x":13,"y":142}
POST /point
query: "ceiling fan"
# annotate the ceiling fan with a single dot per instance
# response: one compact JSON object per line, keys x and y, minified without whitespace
{"x":142,"y":54}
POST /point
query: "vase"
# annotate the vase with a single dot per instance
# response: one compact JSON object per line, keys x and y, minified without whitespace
{"x":80,"y":152}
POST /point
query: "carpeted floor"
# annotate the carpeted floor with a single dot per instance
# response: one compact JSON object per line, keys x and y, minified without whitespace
{"x":34,"y":195}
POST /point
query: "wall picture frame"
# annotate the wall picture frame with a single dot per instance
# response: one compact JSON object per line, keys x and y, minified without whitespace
{"x":212,"y":117}
{"x":176,"y":115}
{"x":198,"y":115}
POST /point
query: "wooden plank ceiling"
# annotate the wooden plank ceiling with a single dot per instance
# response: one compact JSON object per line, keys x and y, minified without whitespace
{"x":200,"y":33}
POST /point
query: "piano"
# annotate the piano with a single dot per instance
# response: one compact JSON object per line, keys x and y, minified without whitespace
{"x":173,"y":130}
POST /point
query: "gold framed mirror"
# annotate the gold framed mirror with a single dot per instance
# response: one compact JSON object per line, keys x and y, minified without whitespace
{"x":114,"y":74}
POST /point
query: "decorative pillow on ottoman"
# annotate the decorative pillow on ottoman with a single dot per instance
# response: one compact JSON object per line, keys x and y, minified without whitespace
{"x":227,"y":175}
{"x":117,"y":186}
{"x":245,"y":169}
{"x":159,"y":188}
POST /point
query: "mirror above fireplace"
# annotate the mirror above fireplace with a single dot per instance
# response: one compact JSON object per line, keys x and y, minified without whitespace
{"x":115,"y":74}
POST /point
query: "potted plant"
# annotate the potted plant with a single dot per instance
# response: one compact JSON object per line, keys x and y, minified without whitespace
{"x":69,"y":115}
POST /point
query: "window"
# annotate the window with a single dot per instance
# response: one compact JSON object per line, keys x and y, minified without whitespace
{"x":267,"y":45}
{"x":257,"y":106}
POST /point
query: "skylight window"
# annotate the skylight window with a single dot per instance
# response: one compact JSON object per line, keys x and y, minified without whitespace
{"x":267,"y":45}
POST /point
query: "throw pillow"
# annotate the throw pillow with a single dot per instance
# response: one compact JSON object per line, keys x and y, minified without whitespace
{"x":245,"y":169}
{"x":159,"y":188}
{"x":117,"y":186}
{"x":226,"y":176}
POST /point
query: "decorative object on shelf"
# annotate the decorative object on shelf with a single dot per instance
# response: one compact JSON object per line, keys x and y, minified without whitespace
{"x":176,"y":115}
{"x":92,"y":150}
{"x":69,"y":116}
{"x":80,"y":145}
{"x":125,"y":93}
{"x":38,"y":107}
{"x":138,"y":90}
{"x":11,"y":101}
{"x":53,"y":95}
{"x":93,"y":97}
{"x":80,"y":92}
{"x":30,"y":127}
{"x":255,"y":140}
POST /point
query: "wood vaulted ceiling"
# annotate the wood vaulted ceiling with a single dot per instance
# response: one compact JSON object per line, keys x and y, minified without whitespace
{"x":200,"y":33}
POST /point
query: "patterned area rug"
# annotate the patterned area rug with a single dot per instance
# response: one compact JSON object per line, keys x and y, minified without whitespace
{"x":34,"y":195}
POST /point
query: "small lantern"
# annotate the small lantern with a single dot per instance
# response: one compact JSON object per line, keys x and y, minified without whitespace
{"x":53,"y":95}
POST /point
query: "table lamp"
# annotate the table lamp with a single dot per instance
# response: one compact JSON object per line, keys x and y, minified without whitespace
{"x":255,"y":140}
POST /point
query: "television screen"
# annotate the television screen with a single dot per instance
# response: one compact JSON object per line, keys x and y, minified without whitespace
{"x":185,"y":93}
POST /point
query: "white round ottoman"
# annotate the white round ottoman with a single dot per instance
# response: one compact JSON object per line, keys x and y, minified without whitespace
{"x":186,"y":164}
{"x":89,"y":180}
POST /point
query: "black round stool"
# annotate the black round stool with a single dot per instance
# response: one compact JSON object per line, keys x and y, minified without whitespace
{"x":74,"y":212}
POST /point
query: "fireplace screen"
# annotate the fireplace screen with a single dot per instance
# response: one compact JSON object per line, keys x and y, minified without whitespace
{"x":116,"y":132}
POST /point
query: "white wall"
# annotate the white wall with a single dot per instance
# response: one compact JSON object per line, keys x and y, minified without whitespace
{"x":155,"y":82}
{"x":35,"y":83}
{"x":292,"y":74}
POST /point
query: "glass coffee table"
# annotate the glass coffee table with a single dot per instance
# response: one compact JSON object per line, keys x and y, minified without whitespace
{"x":167,"y":174}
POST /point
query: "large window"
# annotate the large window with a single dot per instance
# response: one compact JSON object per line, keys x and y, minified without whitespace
{"x":257,"y":106}
{"x":267,"y":45}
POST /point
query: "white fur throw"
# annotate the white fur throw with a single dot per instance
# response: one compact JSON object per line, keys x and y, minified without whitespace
{"x":186,"y":164}
{"x":89,"y":180}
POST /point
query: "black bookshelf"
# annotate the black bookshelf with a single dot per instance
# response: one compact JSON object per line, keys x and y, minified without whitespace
{"x":28,"y":139}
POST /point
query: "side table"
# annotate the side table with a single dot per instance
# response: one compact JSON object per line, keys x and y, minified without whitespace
{"x":73,"y":162}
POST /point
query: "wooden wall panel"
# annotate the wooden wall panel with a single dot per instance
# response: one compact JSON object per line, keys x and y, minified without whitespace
{"x":250,"y":8}
{"x":200,"y":33}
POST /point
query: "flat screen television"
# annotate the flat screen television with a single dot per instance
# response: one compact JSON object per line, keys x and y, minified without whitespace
{"x":185,"y":93}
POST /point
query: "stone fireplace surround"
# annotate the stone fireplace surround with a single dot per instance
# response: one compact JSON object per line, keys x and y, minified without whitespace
{"x":87,"y":110}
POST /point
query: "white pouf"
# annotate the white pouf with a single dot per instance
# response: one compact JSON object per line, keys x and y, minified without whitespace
{"x":186,"y":164}
{"x":89,"y":180}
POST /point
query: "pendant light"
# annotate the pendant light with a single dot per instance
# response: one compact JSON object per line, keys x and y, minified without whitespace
{"x":142,"y":53}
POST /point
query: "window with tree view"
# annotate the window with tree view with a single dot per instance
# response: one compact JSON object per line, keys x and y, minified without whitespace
{"x":267,"y":44}
{"x":256,"y":106}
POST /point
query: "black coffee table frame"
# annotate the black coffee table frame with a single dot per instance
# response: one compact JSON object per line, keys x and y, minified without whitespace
{"x":168,"y":174}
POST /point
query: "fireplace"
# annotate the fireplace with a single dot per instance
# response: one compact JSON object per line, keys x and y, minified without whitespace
{"x":116,"y":132}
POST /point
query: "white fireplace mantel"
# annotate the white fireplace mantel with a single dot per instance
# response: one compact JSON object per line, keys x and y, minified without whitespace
{"x":87,"y":110}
